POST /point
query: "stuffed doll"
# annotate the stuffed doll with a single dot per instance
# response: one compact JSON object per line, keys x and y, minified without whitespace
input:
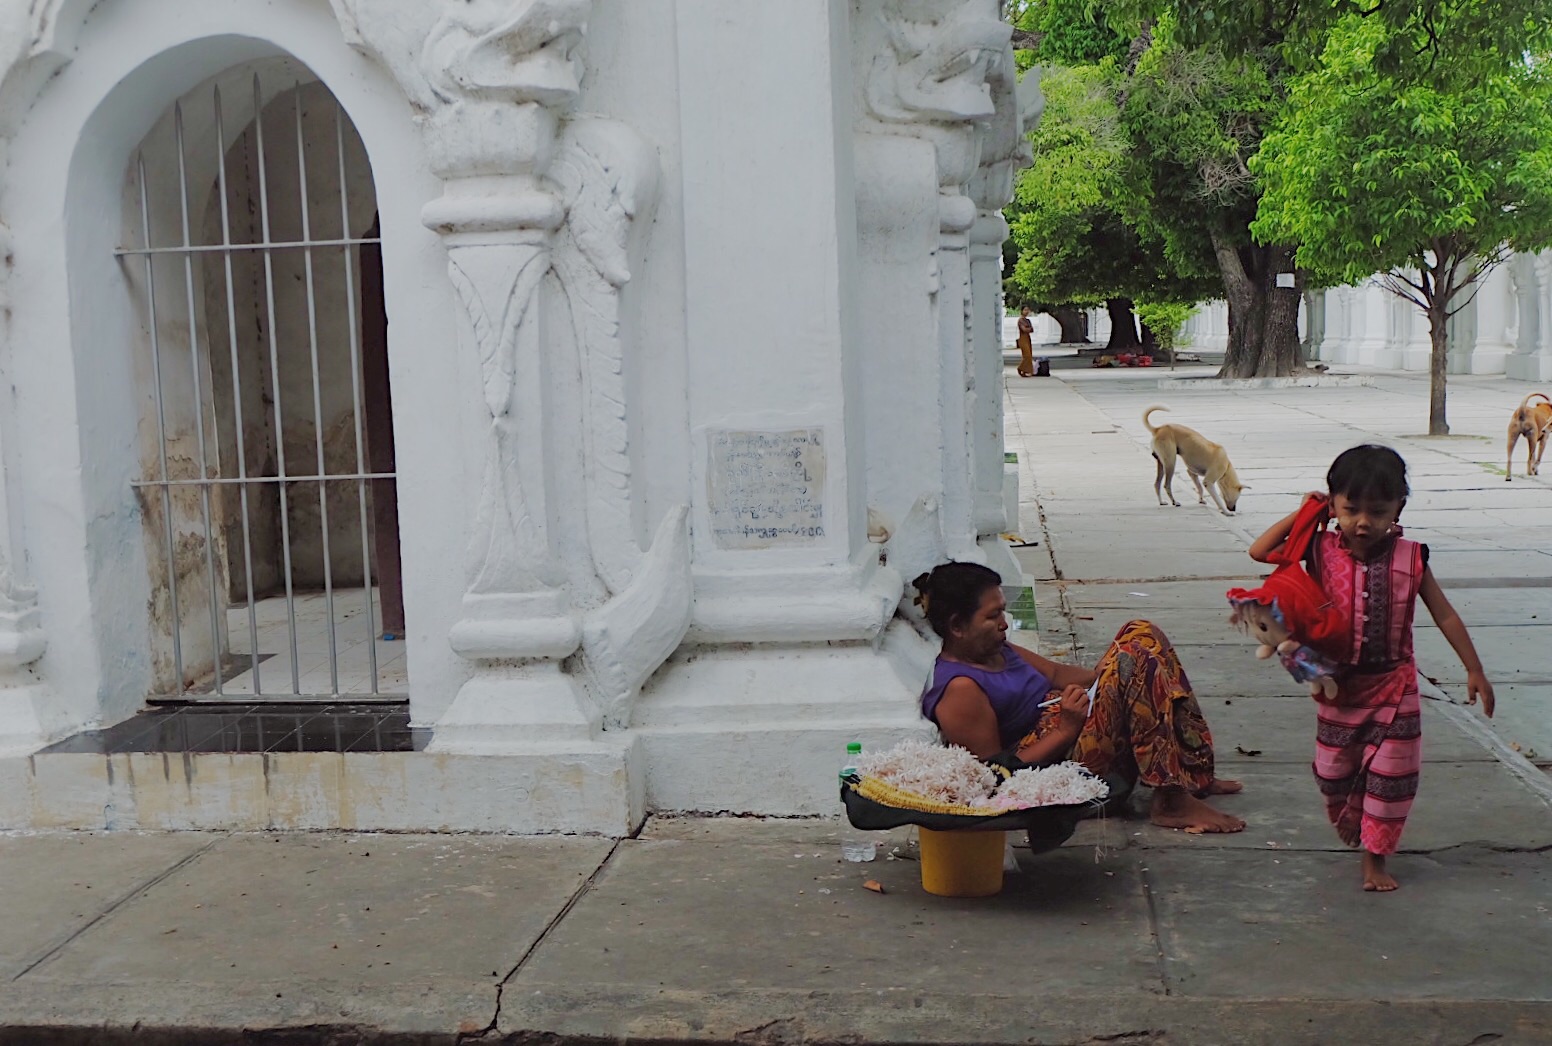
{"x":1264,"y":622}
{"x":1290,"y":613}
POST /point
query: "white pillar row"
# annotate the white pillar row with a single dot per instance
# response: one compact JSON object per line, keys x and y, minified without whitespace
{"x":1532,"y":357}
{"x":1333,"y":345}
{"x":1492,"y":311}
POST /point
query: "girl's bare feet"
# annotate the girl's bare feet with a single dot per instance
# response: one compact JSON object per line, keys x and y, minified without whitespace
{"x":1375,"y":878}
{"x":1178,"y":808}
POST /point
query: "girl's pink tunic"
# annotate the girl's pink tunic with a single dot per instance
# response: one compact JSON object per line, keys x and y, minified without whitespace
{"x":1368,"y":745}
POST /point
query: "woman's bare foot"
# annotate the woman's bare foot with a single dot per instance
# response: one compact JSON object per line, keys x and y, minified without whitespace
{"x":1375,"y":878}
{"x":1219,"y":786}
{"x":1177,"y":808}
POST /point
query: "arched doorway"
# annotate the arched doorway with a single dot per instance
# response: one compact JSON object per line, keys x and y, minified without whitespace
{"x":265,"y":436}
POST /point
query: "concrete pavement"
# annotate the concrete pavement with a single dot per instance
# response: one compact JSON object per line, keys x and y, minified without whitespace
{"x":742,"y":930}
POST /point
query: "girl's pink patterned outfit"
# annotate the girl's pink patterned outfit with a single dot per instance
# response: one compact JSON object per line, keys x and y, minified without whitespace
{"x":1368,"y":745}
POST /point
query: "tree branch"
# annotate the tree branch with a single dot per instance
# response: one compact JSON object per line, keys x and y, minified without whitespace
{"x":1235,"y":281}
{"x":1027,"y":40}
{"x":1393,"y":281}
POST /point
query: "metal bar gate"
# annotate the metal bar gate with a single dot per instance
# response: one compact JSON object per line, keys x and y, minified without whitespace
{"x":233,"y":674}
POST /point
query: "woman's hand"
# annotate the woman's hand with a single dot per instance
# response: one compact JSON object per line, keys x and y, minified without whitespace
{"x":1074,"y":709}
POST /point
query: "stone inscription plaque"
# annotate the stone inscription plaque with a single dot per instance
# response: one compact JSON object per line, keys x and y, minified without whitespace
{"x":766,"y":488}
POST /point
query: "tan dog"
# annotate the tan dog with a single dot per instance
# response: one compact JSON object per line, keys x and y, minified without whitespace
{"x":1534,"y":422}
{"x":1205,"y":460}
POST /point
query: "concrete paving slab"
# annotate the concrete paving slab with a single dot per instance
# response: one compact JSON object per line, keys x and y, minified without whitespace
{"x":1458,"y":804}
{"x":1510,"y":653}
{"x":348,"y":924}
{"x":1272,"y":925}
{"x":1084,"y":930}
{"x":1523,"y":718}
{"x":55,"y":886}
{"x":1155,"y":598}
{"x":1143,"y":564}
{"x":1097,"y":628}
{"x":1282,"y":730}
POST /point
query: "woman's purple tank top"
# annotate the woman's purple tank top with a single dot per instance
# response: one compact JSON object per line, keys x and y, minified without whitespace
{"x":1015,"y":692}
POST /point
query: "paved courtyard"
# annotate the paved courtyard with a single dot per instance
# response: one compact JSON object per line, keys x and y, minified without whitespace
{"x":750,"y":931}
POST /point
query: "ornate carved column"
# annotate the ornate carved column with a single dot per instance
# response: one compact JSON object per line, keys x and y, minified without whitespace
{"x":537,"y":215}
{"x":1005,"y":150}
{"x":936,"y":78}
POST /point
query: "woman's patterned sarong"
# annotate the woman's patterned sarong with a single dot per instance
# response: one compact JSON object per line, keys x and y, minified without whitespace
{"x":1146,"y":725}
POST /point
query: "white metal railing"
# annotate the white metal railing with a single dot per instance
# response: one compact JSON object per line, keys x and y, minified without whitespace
{"x":340,"y":250}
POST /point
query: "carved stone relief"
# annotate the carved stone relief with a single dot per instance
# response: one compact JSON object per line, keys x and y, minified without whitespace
{"x":528,"y":193}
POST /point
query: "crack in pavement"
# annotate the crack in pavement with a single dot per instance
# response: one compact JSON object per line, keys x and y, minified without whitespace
{"x":476,"y":1034}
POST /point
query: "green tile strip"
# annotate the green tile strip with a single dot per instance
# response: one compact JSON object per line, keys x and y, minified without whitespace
{"x":1010,"y":458}
{"x":1021,"y":608}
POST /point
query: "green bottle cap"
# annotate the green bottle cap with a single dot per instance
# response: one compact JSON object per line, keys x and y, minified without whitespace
{"x":854,"y":748}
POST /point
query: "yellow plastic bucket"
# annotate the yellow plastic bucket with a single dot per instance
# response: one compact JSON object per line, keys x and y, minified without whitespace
{"x":962,"y":864}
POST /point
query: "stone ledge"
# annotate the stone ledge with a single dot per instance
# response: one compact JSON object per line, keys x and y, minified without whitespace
{"x":582,"y":790}
{"x":1298,"y":381}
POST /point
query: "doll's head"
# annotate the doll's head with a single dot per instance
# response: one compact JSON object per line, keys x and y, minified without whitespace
{"x":1262,"y":622}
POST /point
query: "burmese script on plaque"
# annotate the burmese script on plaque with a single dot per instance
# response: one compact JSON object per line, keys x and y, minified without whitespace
{"x":766,"y":488}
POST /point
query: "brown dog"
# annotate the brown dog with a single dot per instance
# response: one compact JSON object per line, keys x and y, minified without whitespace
{"x":1206,"y":463}
{"x":1534,"y":422}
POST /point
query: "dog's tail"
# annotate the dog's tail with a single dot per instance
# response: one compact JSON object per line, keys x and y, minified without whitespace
{"x":1154,"y":428}
{"x":1525,"y":403}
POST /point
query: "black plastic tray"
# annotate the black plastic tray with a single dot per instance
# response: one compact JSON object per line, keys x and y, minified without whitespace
{"x":1046,"y":821}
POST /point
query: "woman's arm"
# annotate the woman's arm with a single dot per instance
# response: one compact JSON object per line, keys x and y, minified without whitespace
{"x":1454,"y":629}
{"x":965,"y":718}
{"x":1060,"y":675}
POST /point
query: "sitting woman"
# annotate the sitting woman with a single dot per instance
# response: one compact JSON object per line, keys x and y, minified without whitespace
{"x":986,"y":695}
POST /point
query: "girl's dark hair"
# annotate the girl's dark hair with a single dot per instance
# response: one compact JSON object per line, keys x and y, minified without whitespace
{"x":953,"y":591}
{"x":1368,"y":471}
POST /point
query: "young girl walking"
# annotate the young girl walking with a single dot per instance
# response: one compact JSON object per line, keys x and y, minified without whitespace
{"x":1368,"y":740}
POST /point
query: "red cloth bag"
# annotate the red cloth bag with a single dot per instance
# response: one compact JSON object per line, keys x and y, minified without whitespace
{"x":1309,"y":615}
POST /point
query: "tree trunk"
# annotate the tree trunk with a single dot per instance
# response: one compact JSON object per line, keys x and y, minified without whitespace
{"x":1439,"y":340}
{"x":1074,"y":323}
{"x":1123,"y":325}
{"x":1263,"y":317}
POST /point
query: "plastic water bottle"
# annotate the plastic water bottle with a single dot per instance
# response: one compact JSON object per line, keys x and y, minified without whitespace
{"x":855,"y":846}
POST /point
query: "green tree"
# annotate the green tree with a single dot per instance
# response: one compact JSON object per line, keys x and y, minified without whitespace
{"x":1073,"y":246}
{"x":1418,"y":35}
{"x":1195,"y":116}
{"x":1430,"y":182}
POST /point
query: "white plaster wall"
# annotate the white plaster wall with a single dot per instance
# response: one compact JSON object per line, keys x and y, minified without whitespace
{"x":83,"y":532}
{"x":781,"y":272}
{"x":898,"y":229}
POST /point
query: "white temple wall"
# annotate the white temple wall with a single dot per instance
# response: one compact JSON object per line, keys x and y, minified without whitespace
{"x":693,"y":352}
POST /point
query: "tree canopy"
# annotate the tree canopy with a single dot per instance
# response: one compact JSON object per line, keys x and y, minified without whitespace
{"x":1427,"y":181}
